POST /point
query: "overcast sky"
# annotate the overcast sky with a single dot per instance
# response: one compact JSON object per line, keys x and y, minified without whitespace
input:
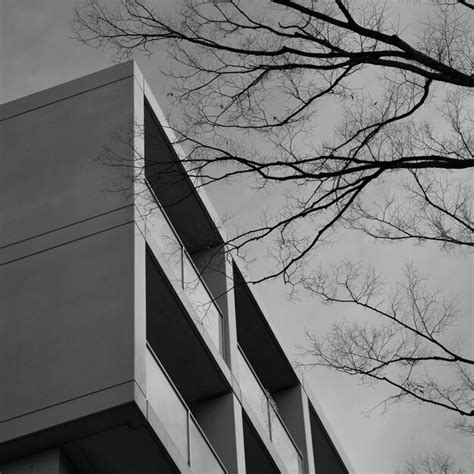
{"x":36,"y":52}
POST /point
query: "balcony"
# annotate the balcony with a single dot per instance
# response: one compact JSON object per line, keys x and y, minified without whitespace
{"x":172,"y":412}
{"x":266,"y":411}
{"x":183,"y":271}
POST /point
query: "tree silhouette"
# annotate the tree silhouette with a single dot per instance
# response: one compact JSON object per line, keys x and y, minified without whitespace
{"x":435,"y":463}
{"x":365,"y":123}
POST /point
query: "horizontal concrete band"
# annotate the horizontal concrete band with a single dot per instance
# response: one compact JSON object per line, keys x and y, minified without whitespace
{"x":66,"y":411}
{"x":31,"y":245}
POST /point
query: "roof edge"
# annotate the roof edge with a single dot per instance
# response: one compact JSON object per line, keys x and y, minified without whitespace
{"x":67,"y":89}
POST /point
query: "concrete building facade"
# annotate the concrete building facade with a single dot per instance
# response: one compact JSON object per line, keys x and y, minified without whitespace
{"x":129,"y":340}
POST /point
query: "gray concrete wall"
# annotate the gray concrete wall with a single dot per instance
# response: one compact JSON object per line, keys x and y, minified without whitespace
{"x":67,"y":322}
{"x":66,"y":245}
{"x":50,"y":177}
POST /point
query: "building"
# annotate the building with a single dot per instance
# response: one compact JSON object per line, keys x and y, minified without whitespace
{"x":129,"y":342}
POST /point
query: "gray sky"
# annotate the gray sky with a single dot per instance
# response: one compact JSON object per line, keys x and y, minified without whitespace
{"x":36,"y":52}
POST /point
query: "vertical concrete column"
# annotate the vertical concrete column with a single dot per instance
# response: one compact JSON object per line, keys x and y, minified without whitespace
{"x":221,"y":417}
{"x":139,"y":316}
{"x":221,"y":420}
{"x":294,"y":410}
{"x":216,"y":269}
{"x":52,"y":461}
{"x":137,"y":150}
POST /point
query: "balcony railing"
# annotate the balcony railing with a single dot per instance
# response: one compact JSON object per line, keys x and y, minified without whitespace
{"x":265,"y":409}
{"x":160,"y":229}
{"x":172,"y":412}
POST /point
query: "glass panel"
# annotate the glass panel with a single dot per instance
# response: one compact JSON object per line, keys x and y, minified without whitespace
{"x":267,"y":414}
{"x":207,"y":313}
{"x":168,"y":407}
{"x":253,"y":392}
{"x":160,"y":231}
{"x":203,"y":460}
{"x":286,"y":449}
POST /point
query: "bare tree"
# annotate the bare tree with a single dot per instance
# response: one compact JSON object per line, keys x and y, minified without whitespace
{"x":431,"y":464}
{"x":390,"y":155}
{"x":406,"y":349}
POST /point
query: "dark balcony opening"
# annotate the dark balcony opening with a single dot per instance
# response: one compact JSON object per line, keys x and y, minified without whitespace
{"x":211,"y":265}
{"x":175,"y":190}
{"x":178,"y":198}
{"x":258,"y":342}
{"x":216,"y":417}
{"x":119,"y":451}
{"x":257,"y":458}
{"x":326,"y":457}
{"x":177,"y":342}
{"x":268,"y":416}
